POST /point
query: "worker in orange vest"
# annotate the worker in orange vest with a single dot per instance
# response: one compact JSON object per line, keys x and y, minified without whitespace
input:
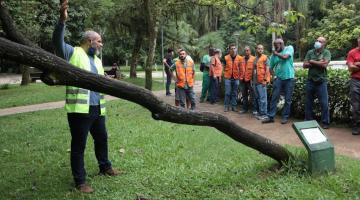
{"x":246,"y":69}
{"x":260,"y":79}
{"x":185,"y":78}
{"x":232,"y":77}
{"x":215,"y":76}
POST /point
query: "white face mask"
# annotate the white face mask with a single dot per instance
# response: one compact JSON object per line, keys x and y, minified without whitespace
{"x":317,"y":45}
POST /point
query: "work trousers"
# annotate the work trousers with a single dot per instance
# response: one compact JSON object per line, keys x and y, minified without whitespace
{"x":320,"y":91}
{"x":80,"y":124}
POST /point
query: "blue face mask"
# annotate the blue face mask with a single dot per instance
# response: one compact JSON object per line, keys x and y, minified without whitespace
{"x":317,"y":45}
{"x":91,"y":51}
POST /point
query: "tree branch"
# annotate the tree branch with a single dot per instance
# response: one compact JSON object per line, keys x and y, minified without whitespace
{"x":73,"y":76}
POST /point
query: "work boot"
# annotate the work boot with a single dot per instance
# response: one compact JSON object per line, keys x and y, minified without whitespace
{"x":226,"y":109}
{"x":110,"y":172}
{"x":325,"y":126}
{"x":84,"y":188}
{"x":234,"y":109}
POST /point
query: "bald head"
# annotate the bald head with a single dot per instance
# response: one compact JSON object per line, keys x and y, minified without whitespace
{"x":89,"y":35}
{"x":279,"y":44}
{"x":259,"y":49}
{"x":321,"y":39}
{"x":91,"y":42}
{"x":320,"y":43}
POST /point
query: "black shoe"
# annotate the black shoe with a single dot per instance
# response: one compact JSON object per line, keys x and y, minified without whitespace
{"x":325,"y":126}
{"x":268,"y":120}
{"x":356,"y":130}
{"x":284,"y":121}
{"x":234,"y":109}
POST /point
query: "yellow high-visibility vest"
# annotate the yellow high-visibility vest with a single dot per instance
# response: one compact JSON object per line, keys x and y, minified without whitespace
{"x":77,"y":99}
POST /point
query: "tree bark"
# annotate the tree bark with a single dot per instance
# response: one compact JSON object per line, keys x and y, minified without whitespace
{"x":73,"y":76}
{"x":136,"y":53}
{"x":25,"y":75}
{"x":152,"y":28}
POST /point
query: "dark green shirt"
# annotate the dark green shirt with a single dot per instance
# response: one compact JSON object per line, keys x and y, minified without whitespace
{"x":317,"y":73}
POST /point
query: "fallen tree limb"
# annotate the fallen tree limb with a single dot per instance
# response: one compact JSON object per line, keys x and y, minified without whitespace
{"x":73,"y":76}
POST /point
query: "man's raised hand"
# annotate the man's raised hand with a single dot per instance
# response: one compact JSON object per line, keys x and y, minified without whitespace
{"x":64,"y":5}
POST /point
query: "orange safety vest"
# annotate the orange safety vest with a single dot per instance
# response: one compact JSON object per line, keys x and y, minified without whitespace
{"x":185,"y":75}
{"x":246,"y":68}
{"x":263,"y":74}
{"x":232,"y":66}
{"x":215,"y":67}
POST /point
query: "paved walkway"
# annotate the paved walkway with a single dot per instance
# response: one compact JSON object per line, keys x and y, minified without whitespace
{"x":345,"y":143}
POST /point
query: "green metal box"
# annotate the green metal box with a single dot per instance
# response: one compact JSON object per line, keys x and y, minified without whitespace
{"x":321,"y":156}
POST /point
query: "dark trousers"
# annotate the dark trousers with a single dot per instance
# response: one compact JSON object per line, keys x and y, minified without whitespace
{"x":214,"y":84}
{"x":246,"y":91}
{"x":320,"y":90}
{"x":80,"y":125}
{"x":355,"y":100}
{"x":168,"y":81}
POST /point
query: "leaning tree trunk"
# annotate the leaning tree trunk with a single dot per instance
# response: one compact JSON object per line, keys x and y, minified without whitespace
{"x":67,"y":74}
{"x":136,"y":54}
{"x":57,"y":71}
{"x":12,"y":33}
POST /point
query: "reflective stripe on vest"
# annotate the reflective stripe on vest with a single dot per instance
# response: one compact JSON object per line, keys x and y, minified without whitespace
{"x":76,"y":91}
{"x":184,"y":74}
{"x":77,"y":99}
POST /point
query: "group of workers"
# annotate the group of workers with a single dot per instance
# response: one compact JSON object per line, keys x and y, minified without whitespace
{"x":251,"y":74}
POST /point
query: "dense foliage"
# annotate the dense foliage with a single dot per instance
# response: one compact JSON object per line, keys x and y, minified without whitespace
{"x":195,"y":26}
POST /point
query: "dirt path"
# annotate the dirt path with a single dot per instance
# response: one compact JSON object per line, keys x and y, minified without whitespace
{"x":345,"y":143}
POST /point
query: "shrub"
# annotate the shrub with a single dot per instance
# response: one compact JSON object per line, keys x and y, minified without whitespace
{"x":4,"y":86}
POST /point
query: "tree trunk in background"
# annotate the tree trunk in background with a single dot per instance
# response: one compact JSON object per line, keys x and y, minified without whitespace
{"x":150,"y":57}
{"x":136,"y":54}
{"x":152,"y":30}
{"x":25,"y":78}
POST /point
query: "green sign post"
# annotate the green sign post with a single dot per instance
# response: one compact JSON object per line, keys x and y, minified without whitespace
{"x":320,"y":150}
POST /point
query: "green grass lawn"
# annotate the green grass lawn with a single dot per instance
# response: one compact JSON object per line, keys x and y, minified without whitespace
{"x":161,"y":161}
{"x":16,"y":95}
